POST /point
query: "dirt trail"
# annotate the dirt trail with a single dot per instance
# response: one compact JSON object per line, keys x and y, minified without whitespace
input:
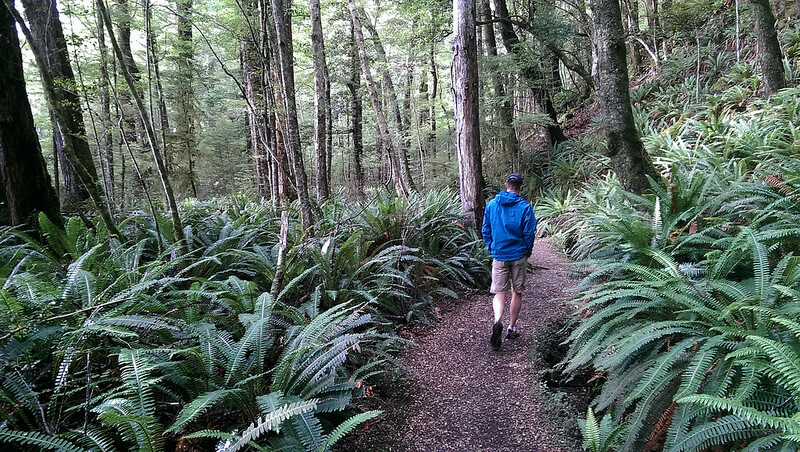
{"x":464,"y":396}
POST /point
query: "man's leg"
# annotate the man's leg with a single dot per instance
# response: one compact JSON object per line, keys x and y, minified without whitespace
{"x":516,"y":304}
{"x":499,"y":303}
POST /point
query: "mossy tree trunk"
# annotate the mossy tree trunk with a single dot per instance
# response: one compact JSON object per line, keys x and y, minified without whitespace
{"x":770,"y":58}
{"x":26,"y":188}
{"x":467,"y":113}
{"x":629,"y":159}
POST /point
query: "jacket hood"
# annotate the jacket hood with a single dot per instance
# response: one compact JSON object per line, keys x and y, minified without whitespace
{"x":507,"y":198}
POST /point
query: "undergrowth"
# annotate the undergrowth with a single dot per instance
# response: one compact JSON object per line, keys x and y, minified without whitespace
{"x":128,"y":346}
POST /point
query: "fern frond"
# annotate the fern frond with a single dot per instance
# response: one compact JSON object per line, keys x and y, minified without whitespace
{"x":271,"y":421}
{"x":37,"y":439}
{"x":721,"y":431}
{"x":198,"y":406}
{"x":746,"y":413}
{"x":347,"y":426}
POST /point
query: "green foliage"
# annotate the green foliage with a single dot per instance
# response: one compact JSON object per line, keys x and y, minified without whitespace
{"x":110,"y":345}
{"x":689,"y":293}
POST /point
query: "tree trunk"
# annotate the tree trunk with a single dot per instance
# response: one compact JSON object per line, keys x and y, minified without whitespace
{"x":769,"y":50}
{"x":322,"y":99}
{"x":133,"y":126}
{"x":628,"y":157}
{"x":535,"y":80}
{"x":394,"y":104}
{"x":154,"y":75}
{"x":465,"y":97}
{"x":74,"y":194}
{"x":631,"y":27}
{"x":106,"y":141}
{"x":505,"y":109}
{"x":177,"y":225}
{"x":26,"y":188}
{"x":432,"y":105}
{"x":255,"y":92}
{"x":46,"y":30}
{"x":356,"y":108}
{"x":396,"y":172}
{"x":52,"y":57}
{"x":186,"y":117}
{"x":283,"y":32}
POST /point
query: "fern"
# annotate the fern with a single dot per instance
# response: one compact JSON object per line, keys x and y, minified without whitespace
{"x":198,"y":407}
{"x":270,"y":422}
{"x":37,"y":439}
{"x":347,"y":426}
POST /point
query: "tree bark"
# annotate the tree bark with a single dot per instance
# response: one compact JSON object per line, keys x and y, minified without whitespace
{"x":48,"y":34}
{"x":26,"y":189}
{"x":322,"y":99}
{"x":283,"y":32}
{"x":465,"y":97}
{"x":186,"y":117}
{"x":52,"y":57}
{"x":106,"y":140}
{"x":432,"y":105}
{"x":770,"y":58}
{"x":396,"y":173}
{"x":255,"y":92}
{"x":629,"y":159}
{"x":357,"y":112}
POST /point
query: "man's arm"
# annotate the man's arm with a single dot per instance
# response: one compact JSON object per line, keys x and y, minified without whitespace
{"x":529,"y":229}
{"x":486,"y":231}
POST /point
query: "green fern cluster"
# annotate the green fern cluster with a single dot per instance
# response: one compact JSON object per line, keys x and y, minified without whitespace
{"x":127,"y":346}
{"x":689,"y":295}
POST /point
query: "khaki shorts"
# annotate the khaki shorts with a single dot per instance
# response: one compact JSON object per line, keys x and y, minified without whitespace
{"x":512,"y":272}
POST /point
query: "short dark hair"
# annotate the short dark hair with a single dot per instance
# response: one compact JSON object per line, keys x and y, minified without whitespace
{"x":514,"y":180}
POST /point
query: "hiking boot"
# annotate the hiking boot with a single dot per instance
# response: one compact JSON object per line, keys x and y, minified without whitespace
{"x":512,"y":333}
{"x":497,"y":335}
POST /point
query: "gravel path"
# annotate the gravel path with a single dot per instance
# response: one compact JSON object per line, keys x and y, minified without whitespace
{"x":462,"y":395}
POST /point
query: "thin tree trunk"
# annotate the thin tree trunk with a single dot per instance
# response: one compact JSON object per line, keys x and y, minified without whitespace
{"x":177,"y":225}
{"x":397,"y":176}
{"x":770,"y":58}
{"x":394,"y":103}
{"x":356,"y":108}
{"x":133,"y":126}
{"x":74,"y":194}
{"x":283,"y":32}
{"x":26,"y":188}
{"x":255,"y":92}
{"x":628,"y":157}
{"x":187,"y":117}
{"x":465,"y":97}
{"x":432,"y":105}
{"x":322,"y":99}
{"x":155,"y":76}
{"x":106,"y":141}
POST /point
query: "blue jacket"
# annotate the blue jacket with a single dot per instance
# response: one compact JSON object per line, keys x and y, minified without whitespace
{"x":509,"y":226}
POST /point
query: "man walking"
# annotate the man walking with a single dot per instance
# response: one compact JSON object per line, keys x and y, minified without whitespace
{"x":508,"y":229}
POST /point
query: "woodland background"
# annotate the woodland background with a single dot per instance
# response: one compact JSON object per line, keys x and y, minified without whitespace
{"x":216,"y":215}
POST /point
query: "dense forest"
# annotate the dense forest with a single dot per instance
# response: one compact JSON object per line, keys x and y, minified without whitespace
{"x":216,"y":215}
